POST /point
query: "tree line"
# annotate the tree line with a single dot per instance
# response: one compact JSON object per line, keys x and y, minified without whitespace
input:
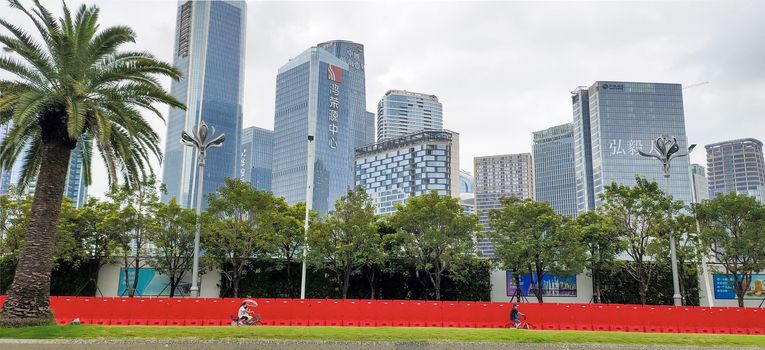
{"x":429,"y":238}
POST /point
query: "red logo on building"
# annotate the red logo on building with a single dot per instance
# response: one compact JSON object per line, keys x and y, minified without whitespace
{"x":334,"y":73}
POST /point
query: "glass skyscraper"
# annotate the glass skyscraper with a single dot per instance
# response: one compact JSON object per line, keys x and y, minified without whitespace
{"x":313,"y":103}
{"x":554,"y":176}
{"x":736,"y":166}
{"x":700,"y":184}
{"x":401,"y":113}
{"x":612,"y":122}
{"x":256,"y":157}
{"x":209,"y":51}
{"x":362,"y":122}
{"x":413,"y":165}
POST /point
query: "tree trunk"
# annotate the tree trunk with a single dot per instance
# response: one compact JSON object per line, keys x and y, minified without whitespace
{"x":596,"y":284}
{"x":437,"y":285}
{"x":740,"y":296}
{"x":29,"y":295}
{"x":289,"y":274}
{"x":173,"y":285}
{"x":643,"y":293}
{"x":135,"y":277}
{"x":235,"y":286}
{"x":346,"y":283}
{"x":371,"y":279}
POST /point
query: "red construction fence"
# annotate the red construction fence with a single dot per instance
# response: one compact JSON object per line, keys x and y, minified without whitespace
{"x":410,"y":313}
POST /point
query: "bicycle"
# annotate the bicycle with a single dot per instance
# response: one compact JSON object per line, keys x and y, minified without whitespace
{"x":252,"y":321}
{"x":523,"y":325}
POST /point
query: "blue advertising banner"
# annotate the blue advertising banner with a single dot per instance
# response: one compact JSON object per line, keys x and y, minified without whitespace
{"x":723,"y":285}
{"x":552,"y":285}
{"x":150,"y":283}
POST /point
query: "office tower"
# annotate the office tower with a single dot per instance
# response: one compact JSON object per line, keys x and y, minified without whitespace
{"x":614,"y":122}
{"x":362,"y":122}
{"x":256,"y":157}
{"x":402,"y":112}
{"x":416,"y":164}
{"x":496,"y":177}
{"x":209,"y":52}
{"x":554,"y":173}
{"x":700,"y":185}
{"x":736,"y":166}
{"x":312,"y":103}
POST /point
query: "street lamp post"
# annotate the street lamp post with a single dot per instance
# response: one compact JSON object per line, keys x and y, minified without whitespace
{"x":201,"y":140}
{"x":666,"y":149}
{"x":308,"y":207}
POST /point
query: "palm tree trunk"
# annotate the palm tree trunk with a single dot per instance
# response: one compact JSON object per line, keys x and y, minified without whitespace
{"x":29,"y":295}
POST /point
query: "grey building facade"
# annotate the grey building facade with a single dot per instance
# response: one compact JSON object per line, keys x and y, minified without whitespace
{"x":257,"y":153}
{"x":736,"y":166}
{"x":496,"y":177}
{"x":312,"y":102}
{"x":554,"y":169}
{"x":700,"y":185}
{"x":618,"y":120}
{"x":402,"y":112}
{"x":396,"y":169}
{"x":209,"y":50}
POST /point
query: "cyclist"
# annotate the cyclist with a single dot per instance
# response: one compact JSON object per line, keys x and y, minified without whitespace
{"x":515,"y":316}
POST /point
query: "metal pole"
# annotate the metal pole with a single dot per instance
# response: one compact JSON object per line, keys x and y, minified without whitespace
{"x":673,"y":253}
{"x":195,"y":266}
{"x":308,"y":207}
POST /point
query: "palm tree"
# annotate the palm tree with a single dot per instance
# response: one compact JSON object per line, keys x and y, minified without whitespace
{"x":75,"y":87}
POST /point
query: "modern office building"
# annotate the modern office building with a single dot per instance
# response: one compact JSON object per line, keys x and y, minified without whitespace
{"x":554,"y":171}
{"x":700,"y":185}
{"x":312,"y":111}
{"x":362,"y":122}
{"x":257,"y":153}
{"x":736,"y":166}
{"x":209,"y":51}
{"x":402,"y":112}
{"x":612,"y":122}
{"x":496,"y":177}
{"x":416,"y":164}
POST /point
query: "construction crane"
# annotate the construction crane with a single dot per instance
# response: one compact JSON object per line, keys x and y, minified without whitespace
{"x":695,"y":85}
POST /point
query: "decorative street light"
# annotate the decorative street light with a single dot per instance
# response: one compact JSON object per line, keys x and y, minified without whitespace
{"x":666,"y":149}
{"x":201,"y":140}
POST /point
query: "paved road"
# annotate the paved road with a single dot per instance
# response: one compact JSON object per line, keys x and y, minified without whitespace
{"x":21,"y":344}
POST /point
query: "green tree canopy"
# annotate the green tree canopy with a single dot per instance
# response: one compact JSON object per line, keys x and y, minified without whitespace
{"x":173,"y":240}
{"x":732,"y":228}
{"x":237,"y":229}
{"x":348,"y":239}
{"x":598,"y":234}
{"x":437,"y":235}
{"x":641,"y":214}
{"x":530,"y":236}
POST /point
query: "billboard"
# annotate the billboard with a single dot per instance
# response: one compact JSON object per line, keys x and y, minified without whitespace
{"x":724,"y":287}
{"x":151,"y":283}
{"x":552,"y":285}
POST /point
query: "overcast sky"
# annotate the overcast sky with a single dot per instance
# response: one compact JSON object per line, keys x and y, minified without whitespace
{"x":501,"y":69}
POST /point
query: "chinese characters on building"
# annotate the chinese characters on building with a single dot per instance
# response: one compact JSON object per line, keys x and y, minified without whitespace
{"x":335,"y":75}
{"x":629,"y":147}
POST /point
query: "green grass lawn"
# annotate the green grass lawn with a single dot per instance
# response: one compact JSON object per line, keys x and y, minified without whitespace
{"x":377,"y":333}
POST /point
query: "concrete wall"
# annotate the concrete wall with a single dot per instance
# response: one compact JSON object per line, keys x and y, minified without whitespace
{"x":108,"y":282}
{"x":583,"y":287}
